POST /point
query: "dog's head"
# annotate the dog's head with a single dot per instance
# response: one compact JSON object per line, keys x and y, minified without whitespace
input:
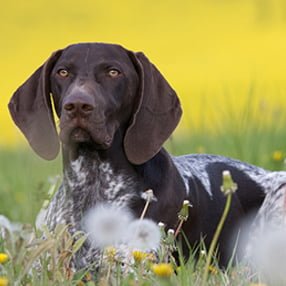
{"x":96,"y":89}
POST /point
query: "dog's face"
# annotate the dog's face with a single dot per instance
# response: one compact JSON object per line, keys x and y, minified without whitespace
{"x":94,"y":88}
{"x":97,"y":89}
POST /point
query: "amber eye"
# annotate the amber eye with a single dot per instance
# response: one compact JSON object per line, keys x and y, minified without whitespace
{"x":63,"y":73}
{"x":113,"y":73}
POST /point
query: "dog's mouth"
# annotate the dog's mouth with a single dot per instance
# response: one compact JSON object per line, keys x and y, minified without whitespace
{"x":100,"y":138}
{"x":80,"y":135}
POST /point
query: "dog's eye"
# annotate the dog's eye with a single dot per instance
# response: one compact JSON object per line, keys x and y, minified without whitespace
{"x":63,"y":73}
{"x":113,"y":73}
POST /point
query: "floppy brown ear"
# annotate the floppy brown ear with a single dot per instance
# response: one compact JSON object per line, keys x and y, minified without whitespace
{"x":31,"y":110}
{"x":157,"y":113}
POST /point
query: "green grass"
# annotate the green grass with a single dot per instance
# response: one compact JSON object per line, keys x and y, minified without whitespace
{"x":35,"y":259}
{"x":24,"y":177}
{"x":56,"y":250}
{"x":25,"y":180}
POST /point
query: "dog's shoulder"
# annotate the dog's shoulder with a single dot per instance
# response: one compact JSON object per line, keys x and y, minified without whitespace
{"x":207,"y":169}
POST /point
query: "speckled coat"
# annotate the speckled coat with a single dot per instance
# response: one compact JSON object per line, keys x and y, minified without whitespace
{"x":115,"y":111}
{"x":89,"y":181}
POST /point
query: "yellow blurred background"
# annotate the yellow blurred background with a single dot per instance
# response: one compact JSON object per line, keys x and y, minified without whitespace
{"x":219,"y":55}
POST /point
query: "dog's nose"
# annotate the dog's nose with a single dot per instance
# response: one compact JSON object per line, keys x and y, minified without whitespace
{"x":78,"y":106}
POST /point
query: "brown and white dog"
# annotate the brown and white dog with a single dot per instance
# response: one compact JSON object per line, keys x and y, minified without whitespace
{"x":116,"y":110}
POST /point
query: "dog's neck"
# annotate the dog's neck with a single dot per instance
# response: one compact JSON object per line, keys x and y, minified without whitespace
{"x":94,"y":176}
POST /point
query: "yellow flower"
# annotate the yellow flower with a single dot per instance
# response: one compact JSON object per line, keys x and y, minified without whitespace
{"x":213,"y":270}
{"x":201,"y":149}
{"x":163,"y":269}
{"x":3,"y":281}
{"x":88,"y":276}
{"x":277,"y":156}
{"x":139,"y":255}
{"x":3,"y":257}
{"x":110,"y":253}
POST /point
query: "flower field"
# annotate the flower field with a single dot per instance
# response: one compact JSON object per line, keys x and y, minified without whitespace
{"x":216,"y":54}
{"x":225,"y":59}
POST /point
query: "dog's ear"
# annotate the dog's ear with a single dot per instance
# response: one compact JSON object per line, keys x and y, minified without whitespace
{"x":31,"y":110}
{"x":156,"y":115}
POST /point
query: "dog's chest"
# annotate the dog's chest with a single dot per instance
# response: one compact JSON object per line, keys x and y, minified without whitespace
{"x":93,"y":181}
{"x":86,"y":183}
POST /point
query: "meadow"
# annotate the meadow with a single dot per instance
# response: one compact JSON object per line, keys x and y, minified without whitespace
{"x":225,"y":59}
{"x":209,"y":51}
{"x":25,"y":178}
{"x":25,"y":181}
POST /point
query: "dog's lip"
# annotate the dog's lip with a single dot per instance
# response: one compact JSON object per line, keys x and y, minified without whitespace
{"x":80,"y":135}
{"x":102,"y":143}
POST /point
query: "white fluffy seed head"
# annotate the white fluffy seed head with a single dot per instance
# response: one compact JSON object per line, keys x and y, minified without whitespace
{"x":186,"y":202}
{"x":161,"y":224}
{"x":226,"y":173}
{"x":171,"y":231}
{"x":106,"y":225}
{"x":268,"y":256}
{"x":143,"y":235}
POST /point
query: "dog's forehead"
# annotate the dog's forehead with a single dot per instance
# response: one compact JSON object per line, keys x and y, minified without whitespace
{"x":95,"y":52}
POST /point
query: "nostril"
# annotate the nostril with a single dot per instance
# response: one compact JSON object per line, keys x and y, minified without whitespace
{"x":87,"y":108}
{"x":78,"y":108}
{"x":69,"y":107}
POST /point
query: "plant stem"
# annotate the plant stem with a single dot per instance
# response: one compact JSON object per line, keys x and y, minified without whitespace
{"x":179,"y":228}
{"x":145,"y":209}
{"x":215,"y":238}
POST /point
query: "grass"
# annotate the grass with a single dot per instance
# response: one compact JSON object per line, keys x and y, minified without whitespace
{"x":29,"y":254}
{"x":25,"y":180}
{"x":54,"y":255}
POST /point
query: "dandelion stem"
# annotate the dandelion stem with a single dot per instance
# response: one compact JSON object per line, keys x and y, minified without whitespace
{"x":179,"y":228}
{"x":107,"y":278}
{"x":145,"y":208}
{"x":215,"y":238}
{"x":148,"y":196}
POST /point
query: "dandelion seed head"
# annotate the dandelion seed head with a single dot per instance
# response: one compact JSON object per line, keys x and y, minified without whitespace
{"x":203,"y":252}
{"x":186,"y":203}
{"x":161,"y":224}
{"x":171,"y":231}
{"x":268,"y":255}
{"x":148,"y":195}
{"x":143,"y":235}
{"x":5,"y":223}
{"x":228,"y":185}
{"x":226,"y":173}
{"x":7,"y":226}
{"x":106,"y":224}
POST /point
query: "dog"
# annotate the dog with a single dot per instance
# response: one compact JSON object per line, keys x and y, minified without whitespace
{"x":115,"y":111}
